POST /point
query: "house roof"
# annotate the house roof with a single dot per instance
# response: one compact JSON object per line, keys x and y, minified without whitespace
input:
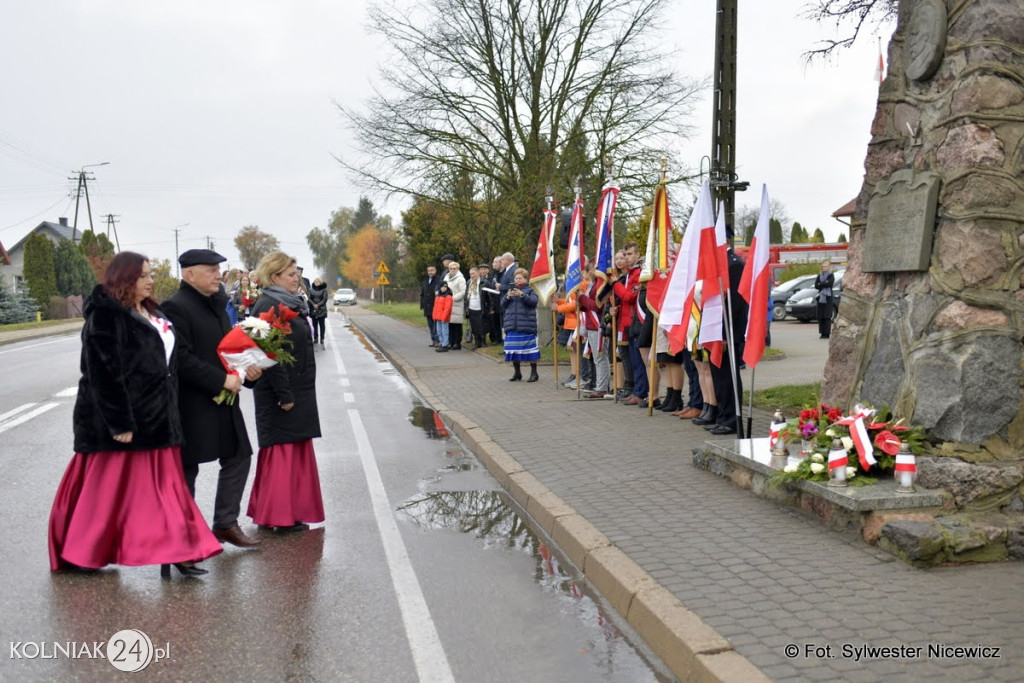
{"x":62,"y":232}
{"x":846,"y":209}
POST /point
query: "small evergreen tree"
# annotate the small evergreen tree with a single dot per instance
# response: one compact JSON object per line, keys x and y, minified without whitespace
{"x":39,"y":272}
{"x":16,"y":307}
{"x":818,"y":237}
{"x":74,"y":275}
{"x":842,"y":238}
{"x":774,"y":231}
{"x":99,"y":252}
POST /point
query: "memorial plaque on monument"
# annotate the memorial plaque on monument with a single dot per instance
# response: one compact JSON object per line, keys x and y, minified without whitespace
{"x":901,"y":222}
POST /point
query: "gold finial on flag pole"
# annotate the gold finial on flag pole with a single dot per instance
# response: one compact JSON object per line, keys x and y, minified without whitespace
{"x":664,"y":169}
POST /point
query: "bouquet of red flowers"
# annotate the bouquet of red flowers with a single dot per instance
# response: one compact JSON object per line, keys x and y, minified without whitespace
{"x":260,"y":341}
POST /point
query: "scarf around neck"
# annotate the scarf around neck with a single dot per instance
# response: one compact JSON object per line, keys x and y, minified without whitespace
{"x":283,"y":296}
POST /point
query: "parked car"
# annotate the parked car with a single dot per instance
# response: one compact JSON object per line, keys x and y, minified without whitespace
{"x":345,"y":297}
{"x":781,"y":294}
{"x":803,"y":305}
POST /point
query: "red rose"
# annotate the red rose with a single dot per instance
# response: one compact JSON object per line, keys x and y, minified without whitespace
{"x":888,"y":442}
{"x":834,"y":414}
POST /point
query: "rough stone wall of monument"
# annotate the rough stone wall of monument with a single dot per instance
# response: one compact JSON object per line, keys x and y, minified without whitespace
{"x":943,"y":347}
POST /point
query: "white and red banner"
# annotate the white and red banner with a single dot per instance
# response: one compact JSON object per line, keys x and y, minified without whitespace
{"x":542,"y":276}
{"x":713,"y":271}
{"x":755,"y":285}
{"x":679,"y":294}
{"x":859,"y":434}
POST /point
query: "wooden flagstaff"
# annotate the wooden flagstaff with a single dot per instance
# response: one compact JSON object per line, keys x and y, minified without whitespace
{"x":652,"y":366}
{"x":550,"y":199}
{"x":615,"y":351}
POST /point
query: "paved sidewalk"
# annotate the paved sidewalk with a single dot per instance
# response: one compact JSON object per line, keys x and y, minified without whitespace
{"x":70,"y":327}
{"x":718,"y":581}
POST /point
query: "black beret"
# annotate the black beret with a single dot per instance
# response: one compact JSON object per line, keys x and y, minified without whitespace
{"x":447,"y":257}
{"x":200,"y":257}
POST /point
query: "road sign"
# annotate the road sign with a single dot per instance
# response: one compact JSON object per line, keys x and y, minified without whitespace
{"x":382,"y":279}
{"x":382,"y":268}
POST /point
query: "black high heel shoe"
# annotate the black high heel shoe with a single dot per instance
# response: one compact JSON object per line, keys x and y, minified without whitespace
{"x":185,"y":569}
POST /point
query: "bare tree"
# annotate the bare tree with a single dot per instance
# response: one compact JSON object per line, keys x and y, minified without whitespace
{"x":486,"y":104}
{"x":845,"y":12}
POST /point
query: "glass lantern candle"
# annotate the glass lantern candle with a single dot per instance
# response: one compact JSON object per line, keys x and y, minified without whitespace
{"x":837,"y":462}
{"x":906,"y":469}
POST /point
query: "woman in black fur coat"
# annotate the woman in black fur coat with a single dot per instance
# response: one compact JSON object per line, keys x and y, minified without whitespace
{"x":123,"y":498}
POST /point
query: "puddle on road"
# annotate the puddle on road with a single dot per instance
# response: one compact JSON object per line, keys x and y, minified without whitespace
{"x":429,"y":421}
{"x":488,"y":516}
{"x":358,"y":334}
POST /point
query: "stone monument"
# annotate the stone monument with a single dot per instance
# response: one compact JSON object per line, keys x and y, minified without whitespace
{"x":932,"y":318}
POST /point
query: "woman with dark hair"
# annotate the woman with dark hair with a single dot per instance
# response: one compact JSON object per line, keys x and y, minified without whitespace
{"x":123,"y":498}
{"x":286,"y":492}
{"x":519,"y":317}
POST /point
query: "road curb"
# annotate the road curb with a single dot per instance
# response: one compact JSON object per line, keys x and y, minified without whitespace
{"x":51,"y":331}
{"x":691,"y":649}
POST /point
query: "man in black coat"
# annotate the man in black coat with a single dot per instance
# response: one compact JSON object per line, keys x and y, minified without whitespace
{"x":212,"y":431}
{"x":428,"y":289}
{"x":728,"y":420}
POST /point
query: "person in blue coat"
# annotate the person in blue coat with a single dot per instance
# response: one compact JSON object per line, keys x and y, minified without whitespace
{"x":519,"y":320}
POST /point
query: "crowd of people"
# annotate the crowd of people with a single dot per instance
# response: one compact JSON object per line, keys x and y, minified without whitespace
{"x":606,"y":327}
{"x":145,"y":418}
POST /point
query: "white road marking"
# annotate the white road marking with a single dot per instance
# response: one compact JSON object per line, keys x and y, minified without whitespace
{"x":27,"y":416}
{"x":345,"y":382}
{"x":67,"y":393}
{"x":34,"y":346}
{"x":17,"y":410}
{"x":335,"y":352}
{"x":350,"y":397}
{"x":427,"y":651}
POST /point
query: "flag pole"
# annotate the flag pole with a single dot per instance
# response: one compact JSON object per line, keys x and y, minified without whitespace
{"x":550,"y":199}
{"x":750,"y":410}
{"x":615,"y":353}
{"x":733,"y":370}
{"x":579,"y":353}
{"x":652,"y":366}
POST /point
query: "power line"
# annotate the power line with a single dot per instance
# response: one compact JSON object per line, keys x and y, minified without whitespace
{"x":25,"y":220}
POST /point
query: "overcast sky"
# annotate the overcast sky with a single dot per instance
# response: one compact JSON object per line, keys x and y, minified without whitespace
{"x":220,"y":114}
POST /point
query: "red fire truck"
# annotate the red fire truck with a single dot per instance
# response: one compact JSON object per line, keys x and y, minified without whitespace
{"x":782,"y":256}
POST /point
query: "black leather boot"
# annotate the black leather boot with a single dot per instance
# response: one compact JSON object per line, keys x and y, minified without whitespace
{"x":533,"y":373}
{"x":707,"y":417}
{"x":672,"y":401}
{"x":518,"y":375}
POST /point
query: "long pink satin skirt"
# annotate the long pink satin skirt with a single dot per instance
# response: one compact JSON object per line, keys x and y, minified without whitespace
{"x":127,"y":507}
{"x":287,"y":486}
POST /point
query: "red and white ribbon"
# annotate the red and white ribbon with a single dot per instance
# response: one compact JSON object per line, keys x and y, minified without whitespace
{"x":859,"y":434}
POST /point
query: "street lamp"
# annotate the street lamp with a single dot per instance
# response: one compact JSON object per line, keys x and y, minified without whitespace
{"x":83,"y":185}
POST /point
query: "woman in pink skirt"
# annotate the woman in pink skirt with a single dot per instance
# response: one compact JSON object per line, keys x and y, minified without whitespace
{"x":286,"y":493}
{"x":123,"y":499}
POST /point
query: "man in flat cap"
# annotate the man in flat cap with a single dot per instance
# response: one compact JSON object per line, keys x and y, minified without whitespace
{"x":212,"y":431}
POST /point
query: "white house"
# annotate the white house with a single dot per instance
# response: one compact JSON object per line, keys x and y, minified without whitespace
{"x":11,"y":268}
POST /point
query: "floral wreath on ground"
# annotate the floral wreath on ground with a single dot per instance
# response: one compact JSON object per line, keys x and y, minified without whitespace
{"x":878,"y":430}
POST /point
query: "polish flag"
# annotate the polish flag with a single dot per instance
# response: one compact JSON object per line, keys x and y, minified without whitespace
{"x":679,"y":294}
{"x":859,"y":434}
{"x":880,"y":69}
{"x":755,"y":285}
{"x":713,"y":271}
{"x":542,"y":276}
{"x":659,"y":245}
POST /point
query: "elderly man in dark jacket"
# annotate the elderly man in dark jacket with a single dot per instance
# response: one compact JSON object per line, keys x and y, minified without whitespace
{"x":212,"y":431}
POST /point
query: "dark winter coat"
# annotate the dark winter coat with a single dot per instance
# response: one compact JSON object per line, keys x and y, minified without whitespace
{"x":211,"y":431}
{"x":428,"y":289}
{"x":281,"y":384}
{"x":318,"y":301}
{"x":519,"y":314}
{"x":127,"y":384}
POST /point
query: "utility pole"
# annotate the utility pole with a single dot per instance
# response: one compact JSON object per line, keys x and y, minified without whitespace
{"x":724,"y":183}
{"x":112,"y":224}
{"x":83,"y":185}
{"x":177,"y":253}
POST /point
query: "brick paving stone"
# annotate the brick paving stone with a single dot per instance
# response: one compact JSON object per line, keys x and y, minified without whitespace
{"x":709,"y":541}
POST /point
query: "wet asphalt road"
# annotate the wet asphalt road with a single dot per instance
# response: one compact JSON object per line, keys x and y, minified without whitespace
{"x":421,"y":571}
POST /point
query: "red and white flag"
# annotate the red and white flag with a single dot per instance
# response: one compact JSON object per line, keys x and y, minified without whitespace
{"x":542,"y":276}
{"x":679,"y":294}
{"x":755,"y":285}
{"x":713,"y":271}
